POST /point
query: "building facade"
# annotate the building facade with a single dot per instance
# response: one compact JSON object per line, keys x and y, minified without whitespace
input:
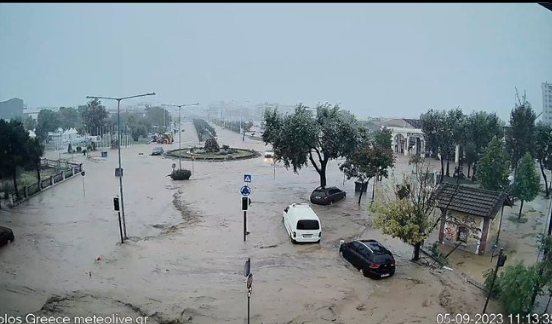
{"x":547,"y":103}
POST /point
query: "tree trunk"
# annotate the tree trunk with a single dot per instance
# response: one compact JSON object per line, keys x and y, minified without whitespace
{"x":448,"y":163}
{"x":417,"y":248}
{"x":364,"y":186}
{"x":15,"y":182}
{"x":469,"y":167}
{"x":38,"y":174}
{"x":442,"y":169}
{"x":520,"y":208}
{"x":322,"y":173}
{"x":546,"y":189}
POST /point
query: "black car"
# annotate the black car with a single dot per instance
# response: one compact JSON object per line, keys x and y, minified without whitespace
{"x":157,"y":151}
{"x":6,"y":234}
{"x":327,"y":196}
{"x":369,"y":256}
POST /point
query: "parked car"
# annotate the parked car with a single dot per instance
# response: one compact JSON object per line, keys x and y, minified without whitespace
{"x":269,"y":155}
{"x":302,"y":224}
{"x":370,"y":257}
{"x":6,"y":234}
{"x":157,"y":151}
{"x":327,"y":196}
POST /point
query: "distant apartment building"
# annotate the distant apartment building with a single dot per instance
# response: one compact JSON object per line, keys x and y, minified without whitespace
{"x":12,"y":108}
{"x":547,"y":103}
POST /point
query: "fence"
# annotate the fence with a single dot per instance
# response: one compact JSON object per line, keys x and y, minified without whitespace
{"x":70,"y":170}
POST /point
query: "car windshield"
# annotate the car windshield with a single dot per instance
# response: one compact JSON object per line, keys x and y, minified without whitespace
{"x":320,"y":192}
{"x":308,"y":224}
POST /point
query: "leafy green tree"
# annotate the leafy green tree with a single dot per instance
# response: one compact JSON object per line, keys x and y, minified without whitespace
{"x":543,"y":151}
{"x":29,"y":123}
{"x":139,"y":126}
{"x":47,"y":121}
{"x":94,"y":116}
{"x":437,"y":135}
{"x":211,"y":146}
{"x":410,"y":216}
{"x":69,"y":118}
{"x":520,"y":139}
{"x":481,"y":128}
{"x":527,"y":181}
{"x":301,"y":137}
{"x":17,"y":150}
{"x":456,"y":129}
{"x":35,"y":151}
{"x":494,"y":167}
{"x":370,"y":159}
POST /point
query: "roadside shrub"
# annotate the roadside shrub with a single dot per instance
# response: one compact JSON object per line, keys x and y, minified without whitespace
{"x":225,"y":147}
{"x":211,"y":146}
{"x":181,"y":174}
{"x":79,"y":149}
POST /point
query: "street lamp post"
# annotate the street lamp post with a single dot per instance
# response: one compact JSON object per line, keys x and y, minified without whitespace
{"x":180,"y":132}
{"x":119,"y":145}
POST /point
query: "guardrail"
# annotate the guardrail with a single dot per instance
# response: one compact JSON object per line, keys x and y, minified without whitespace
{"x":69,"y":171}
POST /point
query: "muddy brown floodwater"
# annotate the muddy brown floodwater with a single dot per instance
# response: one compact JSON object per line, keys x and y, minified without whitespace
{"x":184,"y":259}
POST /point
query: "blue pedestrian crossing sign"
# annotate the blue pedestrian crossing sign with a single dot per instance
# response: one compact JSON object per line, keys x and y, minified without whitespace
{"x":245,"y":191}
{"x":246,"y":178}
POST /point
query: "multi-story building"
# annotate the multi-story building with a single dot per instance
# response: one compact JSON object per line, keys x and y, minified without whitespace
{"x":547,"y":103}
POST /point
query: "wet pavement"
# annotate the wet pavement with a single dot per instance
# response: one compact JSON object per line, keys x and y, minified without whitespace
{"x":185,"y":254}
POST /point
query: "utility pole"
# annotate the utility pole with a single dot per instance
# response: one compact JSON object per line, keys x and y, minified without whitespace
{"x":119,"y":170}
{"x":499,"y":263}
{"x":180,"y":132}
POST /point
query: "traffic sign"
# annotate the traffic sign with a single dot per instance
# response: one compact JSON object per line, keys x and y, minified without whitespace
{"x":245,"y":191}
{"x":246,"y":178}
{"x":174,"y":165}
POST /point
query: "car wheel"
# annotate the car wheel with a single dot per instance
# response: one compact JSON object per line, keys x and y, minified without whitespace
{"x":318,"y":241}
{"x":12,"y":238}
{"x":365,"y":273}
{"x":331,"y":202}
{"x":292,"y":240}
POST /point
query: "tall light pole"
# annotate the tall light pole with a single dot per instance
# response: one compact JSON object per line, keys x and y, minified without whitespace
{"x":180,"y":131}
{"x":119,"y":145}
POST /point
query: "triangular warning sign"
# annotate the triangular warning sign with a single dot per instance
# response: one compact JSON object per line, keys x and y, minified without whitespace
{"x":247,"y":178}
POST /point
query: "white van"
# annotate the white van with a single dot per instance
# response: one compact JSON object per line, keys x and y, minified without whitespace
{"x":302,"y":223}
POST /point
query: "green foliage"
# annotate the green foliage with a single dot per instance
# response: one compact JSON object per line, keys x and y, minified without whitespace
{"x":181,"y":174}
{"x":543,"y":151}
{"x":29,"y":123}
{"x":438,"y":254}
{"x":370,"y":158}
{"x":204,"y":130}
{"x":94,"y":116}
{"x":527,"y":182}
{"x":481,"y":128}
{"x":139,"y":126}
{"x":17,"y":150}
{"x":494,"y":167}
{"x":302,"y":137}
{"x":410,"y":219}
{"x":47,"y":121}
{"x":521,"y":134}
{"x":158,"y":116}
{"x":514,"y":287}
{"x":211,"y":146}
{"x":69,"y":118}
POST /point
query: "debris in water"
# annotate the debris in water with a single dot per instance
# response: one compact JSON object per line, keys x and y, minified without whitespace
{"x":447,"y":268}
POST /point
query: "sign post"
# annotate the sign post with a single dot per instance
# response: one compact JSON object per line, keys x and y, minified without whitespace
{"x":499,"y":263}
{"x":249,"y":283}
{"x":116,"y":208}
{"x":246,"y":201}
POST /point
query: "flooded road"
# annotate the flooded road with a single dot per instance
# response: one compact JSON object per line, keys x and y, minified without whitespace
{"x":184,"y":259}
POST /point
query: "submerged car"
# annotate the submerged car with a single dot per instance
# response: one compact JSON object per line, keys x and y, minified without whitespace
{"x":302,"y":224}
{"x":370,"y":257}
{"x":6,"y":234}
{"x":327,"y":195}
{"x":157,"y":151}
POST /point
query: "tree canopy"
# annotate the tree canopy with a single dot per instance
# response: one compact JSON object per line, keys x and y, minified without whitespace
{"x":373,"y":157}
{"x":303,"y":137}
{"x":158,"y":117}
{"x":47,"y":121}
{"x":527,"y":181}
{"x":521,"y":133}
{"x":543,"y":151}
{"x":94,"y":116}
{"x":494,"y":167}
{"x":69,"y":117}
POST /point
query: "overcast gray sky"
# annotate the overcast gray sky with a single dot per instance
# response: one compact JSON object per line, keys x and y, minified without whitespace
{"x":375,"y":59}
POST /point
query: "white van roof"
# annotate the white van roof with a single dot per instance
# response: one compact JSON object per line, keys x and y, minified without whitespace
{"x":303,"y":211}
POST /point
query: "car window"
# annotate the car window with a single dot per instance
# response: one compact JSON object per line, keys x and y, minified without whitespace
{"x":308,"y":224}
{"x":382,"y":258}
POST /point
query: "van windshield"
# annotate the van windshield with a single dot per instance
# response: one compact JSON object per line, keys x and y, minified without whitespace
{"x":308,"y":224}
